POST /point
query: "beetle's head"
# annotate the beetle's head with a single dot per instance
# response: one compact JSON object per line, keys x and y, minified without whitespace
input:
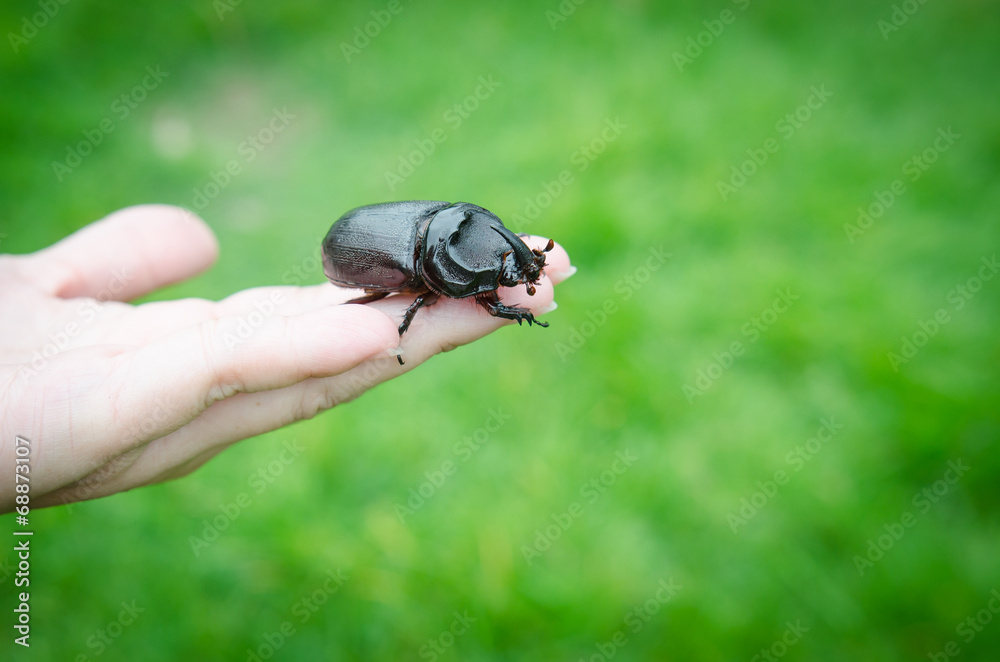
{"x":524,"y":265}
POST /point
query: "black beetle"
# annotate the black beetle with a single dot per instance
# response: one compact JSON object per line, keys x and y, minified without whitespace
{"x":431,"y":249}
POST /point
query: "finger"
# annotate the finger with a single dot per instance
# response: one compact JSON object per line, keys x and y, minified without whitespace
{"x":121,"y":324}
{"x":154,"y":320}
{"x":133,"y":469}
{"x":557,"y":264}
{"x":162,"y":386}
{"x":291,"y":300}
{"x":138,"y":325}
{"x":127,"y":254}
{"x":116,"y":323}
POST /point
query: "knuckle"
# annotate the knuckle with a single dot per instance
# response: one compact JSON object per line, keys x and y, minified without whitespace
{"x":220,"y":373}
{"x":315,"y":401}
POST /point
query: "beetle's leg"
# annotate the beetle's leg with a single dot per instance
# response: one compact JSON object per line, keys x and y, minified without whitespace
{"x":425,"y":299}
{"x":491,"y":302}
{"x":369,"y":297}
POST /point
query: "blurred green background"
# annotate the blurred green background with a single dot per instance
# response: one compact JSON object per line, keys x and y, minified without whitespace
{"x":695,"y":90}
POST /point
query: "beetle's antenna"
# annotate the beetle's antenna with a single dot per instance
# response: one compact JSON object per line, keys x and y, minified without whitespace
{"x":549,"y":246}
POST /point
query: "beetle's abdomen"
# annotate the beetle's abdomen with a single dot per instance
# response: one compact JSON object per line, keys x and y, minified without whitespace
{"x":374,"y":247}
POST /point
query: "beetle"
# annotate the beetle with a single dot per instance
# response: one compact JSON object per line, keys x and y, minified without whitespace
{"x":431,"y":249}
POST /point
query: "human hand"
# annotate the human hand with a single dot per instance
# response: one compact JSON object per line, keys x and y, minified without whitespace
{"x":113,"y":396}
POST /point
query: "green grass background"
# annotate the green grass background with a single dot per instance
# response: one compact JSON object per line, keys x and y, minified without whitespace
{"x":655,"y":185}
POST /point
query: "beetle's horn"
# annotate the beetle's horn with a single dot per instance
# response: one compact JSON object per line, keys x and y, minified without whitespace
{"x":521,"y":250}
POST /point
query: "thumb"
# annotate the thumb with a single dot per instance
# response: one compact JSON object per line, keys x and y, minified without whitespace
{"x":131,"y":252}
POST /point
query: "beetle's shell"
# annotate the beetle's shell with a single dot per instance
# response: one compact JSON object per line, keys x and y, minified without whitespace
{"x":373,"y":246}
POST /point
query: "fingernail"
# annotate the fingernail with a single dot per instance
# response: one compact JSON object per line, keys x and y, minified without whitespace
{"x":547,"y":309}
{"x":563,"y":275}
{"x":394,"y":352}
